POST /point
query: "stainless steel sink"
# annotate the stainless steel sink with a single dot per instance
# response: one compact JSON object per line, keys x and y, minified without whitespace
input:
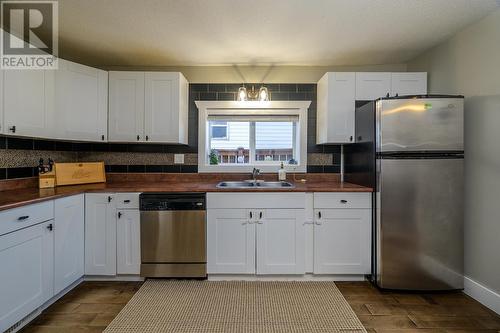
{"x":251,"y":184}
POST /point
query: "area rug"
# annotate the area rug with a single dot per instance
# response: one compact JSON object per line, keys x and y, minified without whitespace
{"x":236,"y":306}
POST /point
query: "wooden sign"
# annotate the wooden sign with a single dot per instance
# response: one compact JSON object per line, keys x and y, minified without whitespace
{"x":79,"y":173}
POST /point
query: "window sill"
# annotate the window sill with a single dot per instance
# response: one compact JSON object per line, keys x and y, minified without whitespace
{"x":264,"y":168}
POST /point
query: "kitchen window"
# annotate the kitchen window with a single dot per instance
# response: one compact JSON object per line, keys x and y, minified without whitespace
{"x":238,"y":140}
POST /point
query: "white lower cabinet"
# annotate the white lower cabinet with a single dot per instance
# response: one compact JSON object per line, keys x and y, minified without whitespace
{"x":128,"y":242}
{"x":280,"y":241}
{"x":26,"y":271}
{"x":100,"y":234}
{"x":69,"y":241}
{"x":230,"y":241}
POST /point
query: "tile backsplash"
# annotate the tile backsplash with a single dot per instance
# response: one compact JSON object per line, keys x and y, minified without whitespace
{"x":19,"y":156}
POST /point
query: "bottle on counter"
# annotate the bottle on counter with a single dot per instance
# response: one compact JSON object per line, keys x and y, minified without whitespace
{"x":282,"y":173}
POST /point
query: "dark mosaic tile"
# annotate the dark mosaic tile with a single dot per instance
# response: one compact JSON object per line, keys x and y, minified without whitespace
{"x":117,"y":168}
{"x":19,"y":172}
{"x":3,"y":142}
{"x":272,"y":87}
{"x":216,"y":87}
{"x":35,"y":171}
{"x":189,"y":168}
{"x":232,"y":87}
{"x":82,"y":146}
{"x":299,"y":96}
{"x":154,"y":168}
{"x":197,"y":87}
{"x":19,"y":143}
{"x":226,"y":96}
{"x":177,"y":149}
{"x":332,"y":149}
{"x":336,"y":158}
{"x":118,"y":147}
{"x":3,"y":173}
{"x":315,"y":169}
{"x":306,"y":87}
{"x":172,"y":168}
{"x":290,"y":87}
{"x":331,"y":168}
{"x":208,"y":96}
{"x":146,"y":148}
{"x":44,"y":145}
{"x":64,"y":146}
{"x":99,"y":147}
{"x":279,"y":96}
{"x":137,"y":168}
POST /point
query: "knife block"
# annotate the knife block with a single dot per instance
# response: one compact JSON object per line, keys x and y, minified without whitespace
{"x":47,"y":180}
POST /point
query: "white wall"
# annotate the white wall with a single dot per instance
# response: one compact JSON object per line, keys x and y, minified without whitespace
{"x":469,"y":64}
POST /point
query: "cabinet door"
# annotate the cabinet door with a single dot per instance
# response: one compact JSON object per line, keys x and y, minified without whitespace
{"x":126,"y":106}
{"x":26,"y":272}
{"x":342,"y":241}
{"x":82,"y":102}
{"x":161,"y":117}
{"x":230,"y":241}
{"x":69,"y":246}
{"x":372,"y":85}
{"x":280,"y":241}
{"x":29,"y":103}
{"x":100,"y":234}
{"x":409,"y":84}
{"x":128,"y":242}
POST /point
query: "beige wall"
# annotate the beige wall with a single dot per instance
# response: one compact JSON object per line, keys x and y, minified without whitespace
{"x":469,"y":64}
{"x":258,"y":74}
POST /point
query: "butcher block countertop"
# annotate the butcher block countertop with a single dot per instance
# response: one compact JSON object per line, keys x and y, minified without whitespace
{"x":23,"y":192}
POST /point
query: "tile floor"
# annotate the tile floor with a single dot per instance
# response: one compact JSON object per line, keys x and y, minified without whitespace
{"x":92,"y":305}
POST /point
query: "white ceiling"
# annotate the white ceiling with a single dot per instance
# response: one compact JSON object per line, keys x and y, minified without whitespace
{"x":279,"y":32}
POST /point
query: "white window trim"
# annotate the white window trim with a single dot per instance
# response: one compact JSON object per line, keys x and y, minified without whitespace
{"x":295,"y":108}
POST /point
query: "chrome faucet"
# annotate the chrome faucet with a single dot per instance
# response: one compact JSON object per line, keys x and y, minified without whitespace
{"x":255,"y":173}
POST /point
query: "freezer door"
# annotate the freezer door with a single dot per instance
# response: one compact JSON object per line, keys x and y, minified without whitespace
{"x":419,"y":224}
{"x":426,"y":124}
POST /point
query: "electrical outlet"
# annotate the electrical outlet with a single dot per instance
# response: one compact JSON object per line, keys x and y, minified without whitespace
{"x":178,"y":158}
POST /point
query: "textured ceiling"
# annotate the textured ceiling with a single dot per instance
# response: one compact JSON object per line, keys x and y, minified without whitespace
{"x":279,"y":32}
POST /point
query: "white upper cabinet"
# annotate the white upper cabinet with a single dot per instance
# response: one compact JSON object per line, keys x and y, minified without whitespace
{"x":28,"y":103}
{"x":372,"y":85}
{"x":69,"y":244}
{"x":126,"y":106}
{"x":336,"y":105}
{"x":166,"y":107}
{"x":409,"y":84}
{"x":148,"y":107}
{"x":81,"y":102}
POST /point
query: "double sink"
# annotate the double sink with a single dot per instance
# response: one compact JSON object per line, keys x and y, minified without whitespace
{"x":254,"y":184}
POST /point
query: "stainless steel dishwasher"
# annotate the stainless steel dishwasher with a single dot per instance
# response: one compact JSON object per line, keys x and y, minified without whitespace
{"x":173,"y":235}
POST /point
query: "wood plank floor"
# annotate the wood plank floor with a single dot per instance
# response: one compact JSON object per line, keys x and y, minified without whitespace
{"x":92,"y":305}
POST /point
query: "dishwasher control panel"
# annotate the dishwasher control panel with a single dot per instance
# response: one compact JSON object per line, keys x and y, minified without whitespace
{"x":172,"y":201}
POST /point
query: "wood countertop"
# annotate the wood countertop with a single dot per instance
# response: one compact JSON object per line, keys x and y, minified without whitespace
{"x":17,"y":197}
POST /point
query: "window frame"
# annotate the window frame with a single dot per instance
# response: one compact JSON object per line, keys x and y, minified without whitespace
{"x":251,"y":108}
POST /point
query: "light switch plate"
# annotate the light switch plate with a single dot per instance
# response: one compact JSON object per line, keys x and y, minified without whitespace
{"x":178,"y":158}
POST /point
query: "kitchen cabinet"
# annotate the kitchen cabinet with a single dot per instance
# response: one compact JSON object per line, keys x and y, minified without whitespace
{"x":372,"y":85}
{"x":28,"y":103}
{"x":2,"y":129}
{"x":100,"y":234}
{"x":256,"y":233}
{"x":126,"y":106}
{"x":342,"y":233}
{"x":148,"y":107}
{"x":26,"y":271}
{"x":128,"y":241}
{"x":408,"y":83}
{"x":69,"y":246}
{"x":81,"y":102}
{"x":280,"y":241}
{"x":230,"y":241}
{"x":336,"y":93}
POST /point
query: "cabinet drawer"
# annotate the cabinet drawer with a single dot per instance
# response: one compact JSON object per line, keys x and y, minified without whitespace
{"x":127,"y":200}
{"x":342,"y":200}
{"x":22,"y":217}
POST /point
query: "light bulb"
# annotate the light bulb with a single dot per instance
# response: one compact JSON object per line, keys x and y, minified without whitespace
{"x":242,"y":94}
{"x":263,"y":94}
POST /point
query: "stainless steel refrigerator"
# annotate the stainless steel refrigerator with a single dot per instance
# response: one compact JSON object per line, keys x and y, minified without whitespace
{"x":410,"y":150}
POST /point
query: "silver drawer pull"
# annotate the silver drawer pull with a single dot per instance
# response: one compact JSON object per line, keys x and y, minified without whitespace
{"x":22,"y":218}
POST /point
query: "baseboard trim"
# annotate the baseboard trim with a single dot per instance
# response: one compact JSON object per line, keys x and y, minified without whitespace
{"x":482,"y":294}
{"x":305,"y":277}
